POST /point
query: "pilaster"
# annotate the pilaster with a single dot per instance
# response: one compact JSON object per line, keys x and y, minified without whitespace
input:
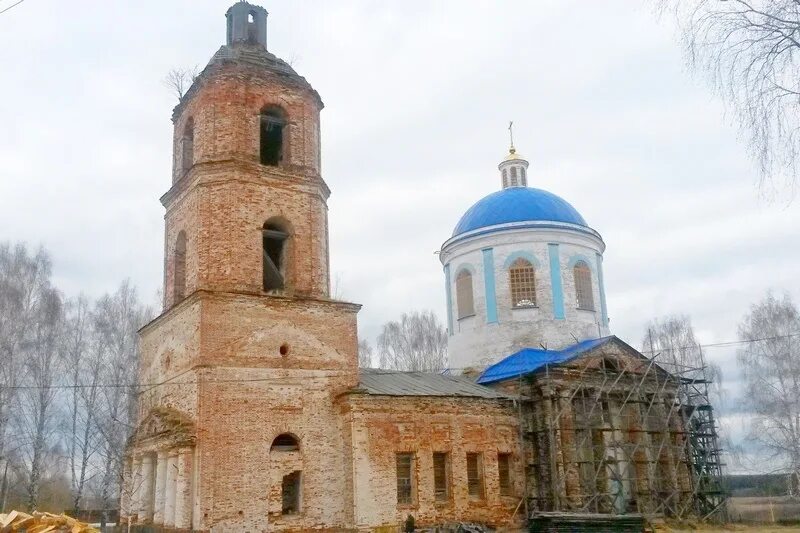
{"x":183,"y":489}
{"x":161,"y":488}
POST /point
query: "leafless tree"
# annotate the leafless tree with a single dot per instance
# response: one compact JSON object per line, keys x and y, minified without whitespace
{"x":750,"y":50}
{"x":118,"y":317}
{"x":179,"y":80}
{"x":84,"y":354}
{"x":671,"y":340}
{"x":24,"y":283}
{"x":42,"y":370}
{"x":417,"y":342}
{"x":364,"y":354}
{"x":770,"y":366}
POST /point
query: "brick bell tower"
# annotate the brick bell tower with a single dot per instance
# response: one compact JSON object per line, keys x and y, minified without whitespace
{"x":238,"y":425}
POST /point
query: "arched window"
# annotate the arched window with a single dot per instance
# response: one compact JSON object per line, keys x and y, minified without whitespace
{"x":522,"y":280}
{"x":524,"y":177}
{"x":187,"y":147}
{"x":584,"y":297}
{"x":290,"y":486}
{"x":274,"y":242}
{"x":285,"y":442}
{"x":251,"y":28}
{"x":272,"y":126}
{"x":466,"y":306}
{"x":505,"y":178}
{"x":514,"y":181}
{"x":179,"y":269}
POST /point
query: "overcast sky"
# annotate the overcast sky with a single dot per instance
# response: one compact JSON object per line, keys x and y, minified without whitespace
{"x":418,"y":96}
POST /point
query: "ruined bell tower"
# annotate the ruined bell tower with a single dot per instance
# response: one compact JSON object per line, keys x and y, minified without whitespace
{"x":237,"y":426}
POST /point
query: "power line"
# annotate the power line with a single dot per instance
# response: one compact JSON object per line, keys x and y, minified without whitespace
{"x":723,"y":344}
{"x":149,"y":386}
{"x":12,"y":5}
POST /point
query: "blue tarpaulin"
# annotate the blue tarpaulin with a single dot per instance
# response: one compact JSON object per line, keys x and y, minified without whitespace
{"x":529,"y":360}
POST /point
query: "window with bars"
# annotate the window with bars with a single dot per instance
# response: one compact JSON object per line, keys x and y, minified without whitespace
{"x":584,"y":298}
{"x":464,"y":301}
{"x":441,"y":476}
{"x":475,"y":475}
{"x":504,"y":473}
{"x":522,"y":280}
{"x":405,"y":478}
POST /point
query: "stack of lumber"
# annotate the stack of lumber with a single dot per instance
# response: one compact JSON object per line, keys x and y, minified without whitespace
{"x":42,"y":523}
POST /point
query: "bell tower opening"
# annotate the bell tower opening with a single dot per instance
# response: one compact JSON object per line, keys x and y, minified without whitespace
{"x":275,"y":238}
{"x":272,"y":126}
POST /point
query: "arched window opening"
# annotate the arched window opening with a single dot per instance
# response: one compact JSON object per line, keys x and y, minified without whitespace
{"x":272,"y":126}
{"x":252,"y":32}
{"x":179,"y":268}
{"x":187,"y":147}
{"x":610,"y":365}
{"x":524,"y":176}
{"x":505,"y":178}
{"x":514,"y":181}
{"x":274,"y":239}
{"x":522,"y":279}
{"x":285,"y":442}
{"x":584,"y":298}
{"x":464,"y":299}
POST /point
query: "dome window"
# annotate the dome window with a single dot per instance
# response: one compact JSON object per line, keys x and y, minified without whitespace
{"x":522,"y":281}
{"x":464,"y":299}
{"x":514,"y":181}
{"x":584,"y":298}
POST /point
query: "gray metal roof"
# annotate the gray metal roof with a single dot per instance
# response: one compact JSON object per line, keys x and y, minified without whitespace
{"x":396,"y":383}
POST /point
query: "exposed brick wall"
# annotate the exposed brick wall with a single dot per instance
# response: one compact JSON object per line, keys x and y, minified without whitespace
{"x":383,"y":426}
{"x":223,"y":201}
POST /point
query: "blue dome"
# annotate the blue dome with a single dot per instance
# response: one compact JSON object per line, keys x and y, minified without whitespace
{"x":518,"y":204}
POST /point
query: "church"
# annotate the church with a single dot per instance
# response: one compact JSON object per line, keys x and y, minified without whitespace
{"x":258,"y":417}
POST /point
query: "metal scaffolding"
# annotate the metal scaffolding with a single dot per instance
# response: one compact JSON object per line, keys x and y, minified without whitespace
{"x":620,"y":435}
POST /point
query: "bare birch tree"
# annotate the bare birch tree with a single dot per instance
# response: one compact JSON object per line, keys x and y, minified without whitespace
{"x":770,"y":366}
{"x":24,"y":282}
{"x":671,"y":340}
{"x":38,"y":408}
{"x":417,"y":342}
{"x":83,"y":354}
{"x":118,"y":317}
{"x":751,"y":50}
{"x":365,"y":352}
